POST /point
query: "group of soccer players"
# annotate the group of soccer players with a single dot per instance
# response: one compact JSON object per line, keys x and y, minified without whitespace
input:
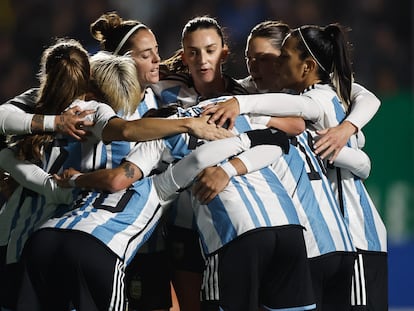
{"x":156,"y":192}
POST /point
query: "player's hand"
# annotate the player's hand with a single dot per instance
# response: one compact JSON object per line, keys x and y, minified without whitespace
{"x":73,"y":122}
{"x":332,"y":140}
{"x":202,"y":129}
{"x":63,"y":179}
{"x":210,"y":182}
{"x":223,"y":113}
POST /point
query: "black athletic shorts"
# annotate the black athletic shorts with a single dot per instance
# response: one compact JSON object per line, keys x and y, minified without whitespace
{"x":332,"y":279}
{"x":147,"y":282}
{"x":64,"y":267}
{"x":264,"y":267}
{"x":184,"y":249}
{"x":370,"y":282}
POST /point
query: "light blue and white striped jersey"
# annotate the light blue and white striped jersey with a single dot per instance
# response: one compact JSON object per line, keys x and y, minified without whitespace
{"x":179,"y":89}
{"x":34,"y":209}
{"x":149,"y":155}
{"x":23,"y":103}
{"x":66,"y":152}
{"x":269,"y":206}
{"x":125,"y":220}
{"x":115,"y":151}
{"x":31,"y":210}
{"x":303,"y":176}
{"x":252,"y":201}
{"x":122,"y":220}
{"x":365,"y":224}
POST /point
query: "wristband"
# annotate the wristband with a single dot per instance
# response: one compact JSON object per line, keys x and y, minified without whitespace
{"x":72,"y":180}
{"x":229,"y":169}
{"x":49,"y":123}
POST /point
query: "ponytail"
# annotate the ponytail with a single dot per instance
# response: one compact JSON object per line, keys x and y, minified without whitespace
{"x":329,"y":48}
{"x":341,"y":75}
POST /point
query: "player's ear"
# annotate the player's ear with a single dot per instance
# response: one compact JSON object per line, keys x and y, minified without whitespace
{"x":183,"y":58}
{"x":309,"y":65}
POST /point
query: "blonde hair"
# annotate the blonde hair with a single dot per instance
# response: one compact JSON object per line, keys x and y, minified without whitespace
{"x":116,"y":78}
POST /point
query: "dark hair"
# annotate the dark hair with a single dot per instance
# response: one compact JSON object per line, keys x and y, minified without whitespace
{"x":174,"y":64}
{"x":329,"y":47}
{"x":64,"y":62}
{"x":64,"y":76}
{"x":274,"y":31}
{"x":202,"y":22}
{"x":110,"y":29}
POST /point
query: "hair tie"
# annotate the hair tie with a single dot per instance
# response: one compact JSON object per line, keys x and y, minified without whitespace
{"x":309,"y":50}
{"x":126,"y":37}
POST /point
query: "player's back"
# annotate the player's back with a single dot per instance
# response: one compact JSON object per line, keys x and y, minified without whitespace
{"x":252,"y":201}
{"x":303,"y":175}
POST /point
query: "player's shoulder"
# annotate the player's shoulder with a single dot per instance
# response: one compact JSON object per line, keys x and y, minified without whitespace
{"x":24,"y":101}
{"x":88,"y":104}
{"x":173,"y":80}
{"x":234,"y":86}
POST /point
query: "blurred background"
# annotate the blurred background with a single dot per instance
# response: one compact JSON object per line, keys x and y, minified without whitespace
{"x":382,"y":36}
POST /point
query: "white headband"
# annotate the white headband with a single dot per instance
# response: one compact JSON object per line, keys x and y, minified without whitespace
{"x":309,"y":50}
{"x":126,"y":37}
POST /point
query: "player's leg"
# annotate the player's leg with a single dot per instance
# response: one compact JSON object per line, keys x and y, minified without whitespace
{"x":187,"y":266}
{"x":175,"y":305}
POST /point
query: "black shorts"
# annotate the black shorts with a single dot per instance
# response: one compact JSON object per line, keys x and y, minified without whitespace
{"x":265,"y":267}
{"x":332,"y":279}
{"x":10,"y":279}
{"x":3,"y":253}
{"x":370,"y":282}
{"x":147,"y":282}
{"x":184,"y":249}
{"x":62,"y":267}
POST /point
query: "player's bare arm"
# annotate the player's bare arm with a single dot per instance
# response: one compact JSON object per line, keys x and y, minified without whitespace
{"x":111,"y":180}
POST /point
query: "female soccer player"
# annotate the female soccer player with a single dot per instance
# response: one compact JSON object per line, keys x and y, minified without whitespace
{"x":312,"y":59}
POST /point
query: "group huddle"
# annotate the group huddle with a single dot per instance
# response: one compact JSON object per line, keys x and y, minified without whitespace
{"x":128,"y":180}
